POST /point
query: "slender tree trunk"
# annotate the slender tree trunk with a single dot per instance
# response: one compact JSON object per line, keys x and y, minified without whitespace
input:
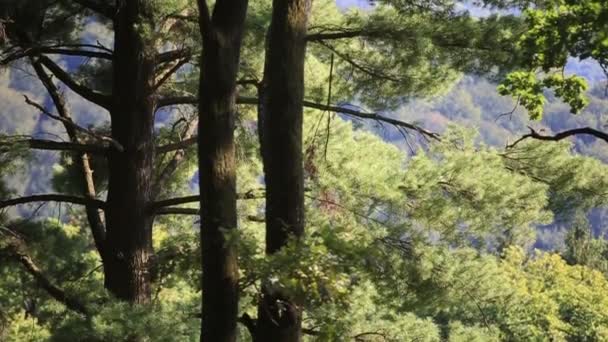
{"x":129,"y":226}
{"x":222,"y":36}
{"x":279,"y":315}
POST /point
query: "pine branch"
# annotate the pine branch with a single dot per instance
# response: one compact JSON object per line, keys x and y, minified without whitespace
{"x":53,"y":198}
{"x":85,"y":92}
{"x":17,"y":250}
{"x":561,"y":135}
{"x":178,"y":100}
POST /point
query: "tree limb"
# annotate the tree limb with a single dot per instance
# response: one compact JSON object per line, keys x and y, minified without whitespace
{"x":70,"y":123}
{"x":561,"y":135}
{"x":99,"y":99}
{"x":170,"y":56}
{"x":53,"y":198}
{"x":49,"y":145}
{"x":35,"y":51}
{"x":177,"y":211}
{"x":17,"y":250}
{"x":180,"y":145}
{"x":170,"y":101}
{"x":170,"y":72}
{"x":94,"y":218}
{"x":175,"y":161}
{"x":157,"y":206}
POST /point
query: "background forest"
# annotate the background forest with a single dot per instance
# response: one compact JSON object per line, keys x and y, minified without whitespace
{"x":427,"y":216}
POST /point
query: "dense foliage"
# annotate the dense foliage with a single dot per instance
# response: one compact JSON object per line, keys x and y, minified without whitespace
{"x":432,"y":241}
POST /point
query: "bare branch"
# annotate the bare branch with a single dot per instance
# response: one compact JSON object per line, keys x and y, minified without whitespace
{"x":177,"y":211}
{"x":49,"y":145}
{"x":176,"y":160}
{"x":170,"y":72}
{"x":157,"y":207}
{"x":180,"y":145}
{"x":561,"y":135}
{"x":52,"y":198}
{"x":94,"y":217}
{"x":70,"y":123}
{"x":87,"y":93}
{"x":170,"y":56}
{"x":176,"y":100}
{"x":35,"y":51}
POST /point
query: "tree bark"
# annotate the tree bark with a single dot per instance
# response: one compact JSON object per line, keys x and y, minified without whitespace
{"x":129,"y":225}
{"x":282,"y":92}
{"x":222,"y":35}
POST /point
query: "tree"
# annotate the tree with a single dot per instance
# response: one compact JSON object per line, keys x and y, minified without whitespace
{"x":123,"y":235}
{"x":221,"y":39}
{"x":280,"y":120}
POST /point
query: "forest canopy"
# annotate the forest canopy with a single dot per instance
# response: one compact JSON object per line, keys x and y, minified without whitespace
{"x":297,"y":170}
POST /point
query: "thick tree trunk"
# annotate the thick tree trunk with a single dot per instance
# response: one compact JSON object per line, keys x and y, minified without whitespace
{"x":129,"y":226}
{"x":222,"y":36}
{"x":279,"y":315}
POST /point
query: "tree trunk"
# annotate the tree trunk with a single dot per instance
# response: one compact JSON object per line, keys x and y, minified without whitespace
{"x":222,"y":35}
{"x":129,"y":226}
{"x":279,"y":315}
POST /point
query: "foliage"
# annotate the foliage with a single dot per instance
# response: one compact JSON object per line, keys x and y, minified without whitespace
{"x":557,"y":30}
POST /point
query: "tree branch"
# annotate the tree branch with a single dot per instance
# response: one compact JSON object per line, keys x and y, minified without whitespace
{"x":35,"y":51}
{"x":156,"y":207}
{"x":177,"y":211}
{"x":176,"y":100}
{"x":176,"y":160}
{"x":70,"y":123}
{"x":94,"y":218}
{"x":170,"y":72}
{"x":170,"y":56}
{"x":49,"y":145}
{"x":53,"y":198}
{"x":315,"y":37}
{"x":87,"y":93}
{"x":170,"y":101}
{"x":17,"y":250}
{"x":180,"y":145}
{"x":561,"y":135}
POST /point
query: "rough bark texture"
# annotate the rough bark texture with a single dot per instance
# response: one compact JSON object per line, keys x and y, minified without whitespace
{"x":222,"y":35}
{"x":279,"y":316}
{"x":129,"y":225}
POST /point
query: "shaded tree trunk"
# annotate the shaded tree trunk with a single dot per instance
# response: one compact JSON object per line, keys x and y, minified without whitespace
{"x":128,"y":243}
{"x":282,"y":92}
{"x":222,"y":35}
